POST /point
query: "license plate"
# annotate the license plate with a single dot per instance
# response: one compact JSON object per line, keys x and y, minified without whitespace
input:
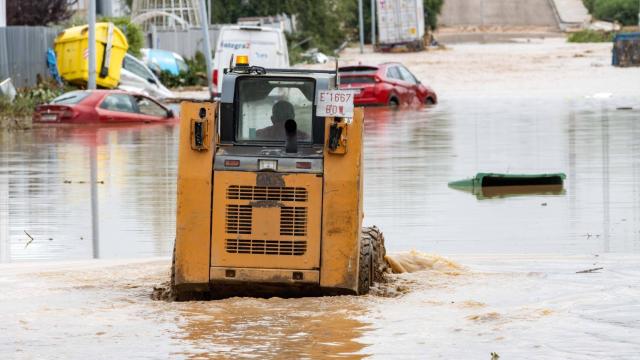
{"x":49,"y":117}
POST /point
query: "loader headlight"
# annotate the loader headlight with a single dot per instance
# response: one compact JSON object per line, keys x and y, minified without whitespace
{"x":268,"y":165}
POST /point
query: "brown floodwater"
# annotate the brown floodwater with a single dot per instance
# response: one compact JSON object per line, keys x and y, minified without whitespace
{"x":485,"y":300}
{"x":410,"y":156}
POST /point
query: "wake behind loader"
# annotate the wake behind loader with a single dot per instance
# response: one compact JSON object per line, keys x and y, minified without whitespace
{"x":269,"y":197}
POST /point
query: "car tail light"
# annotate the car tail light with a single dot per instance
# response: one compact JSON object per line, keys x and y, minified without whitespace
{"x":68,"y":114}
{"x":215,"y":77}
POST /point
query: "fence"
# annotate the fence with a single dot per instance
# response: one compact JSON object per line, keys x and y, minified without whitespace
{"x":183,"y":42}
{"x":23,"y":53}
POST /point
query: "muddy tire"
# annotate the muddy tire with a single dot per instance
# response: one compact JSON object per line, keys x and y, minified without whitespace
{"x":380,"y":267}
{"x":365,"y":267}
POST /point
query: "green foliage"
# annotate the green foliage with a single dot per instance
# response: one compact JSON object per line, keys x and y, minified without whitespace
{"x":327,"y":23}
{"x":589,"y":4}
{"x":28,"y":98}
{"x":623,"y":11}
{"x":432,"y":9}
{"x":591,"y":36}
{"x":196,"y":75}
{"x":133,"y":32}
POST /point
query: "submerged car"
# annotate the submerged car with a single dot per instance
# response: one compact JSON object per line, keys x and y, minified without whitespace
{"x":102,"y":106}
{"x":389,"y":84}
{"x":136,"y":77}
{"x":163,"y":60}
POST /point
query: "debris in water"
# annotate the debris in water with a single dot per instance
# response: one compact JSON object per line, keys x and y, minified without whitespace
{"x":489,"y":185}
{"x":490,"y":316}
{"x":418,"y":261}
{"x":589,"y":270}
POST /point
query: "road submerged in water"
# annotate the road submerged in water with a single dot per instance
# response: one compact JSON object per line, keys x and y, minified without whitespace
{"x":502,"y":273}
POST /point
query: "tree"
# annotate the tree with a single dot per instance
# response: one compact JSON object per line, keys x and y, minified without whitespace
{"x":38,"y":12}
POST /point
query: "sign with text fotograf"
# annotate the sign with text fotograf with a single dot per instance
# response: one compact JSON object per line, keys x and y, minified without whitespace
{"x":335,"y":103}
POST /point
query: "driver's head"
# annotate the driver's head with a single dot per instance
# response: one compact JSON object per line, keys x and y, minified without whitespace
{"x":281,"y":112}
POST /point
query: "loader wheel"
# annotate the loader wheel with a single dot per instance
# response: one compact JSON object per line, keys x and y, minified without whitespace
{"x":380,"y":266}
{"x":365,"y":279}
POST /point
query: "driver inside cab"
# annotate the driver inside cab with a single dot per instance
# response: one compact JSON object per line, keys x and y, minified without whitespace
{"x":281,"y":111}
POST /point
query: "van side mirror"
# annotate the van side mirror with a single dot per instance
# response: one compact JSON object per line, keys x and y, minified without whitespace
{"x":170,"y":113}
{"x":152,"y":80}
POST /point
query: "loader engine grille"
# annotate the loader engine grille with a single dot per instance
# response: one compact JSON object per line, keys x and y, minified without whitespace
{"x":241,"y":192}
{"x":293,"y":221}
{"x":266,"y":247}
{"x":239,"y":219}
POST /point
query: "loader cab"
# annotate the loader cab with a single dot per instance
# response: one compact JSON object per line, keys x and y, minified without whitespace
{"x":269,"y":193}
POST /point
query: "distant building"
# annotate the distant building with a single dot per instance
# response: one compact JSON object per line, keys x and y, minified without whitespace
{"x":165,"y":14}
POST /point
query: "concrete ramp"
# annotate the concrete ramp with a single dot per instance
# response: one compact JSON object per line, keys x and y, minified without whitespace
{"x":525,"y":13}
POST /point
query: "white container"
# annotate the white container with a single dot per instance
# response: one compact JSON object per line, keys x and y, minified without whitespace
{"x":400,"y":22}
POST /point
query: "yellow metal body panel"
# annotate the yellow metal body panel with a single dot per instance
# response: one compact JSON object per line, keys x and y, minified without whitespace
{"x":264,"y":275}
{"x":266,"y":220}
{"x":342,"y":208}
{"x":193,"y":221}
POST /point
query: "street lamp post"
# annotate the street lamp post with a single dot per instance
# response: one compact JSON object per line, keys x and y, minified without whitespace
{"x":91,"y":82}
{"x":361,"y":21}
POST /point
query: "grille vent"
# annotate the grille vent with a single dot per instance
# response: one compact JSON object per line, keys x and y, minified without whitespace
{"x":239,"y":219}
{"x":293,"y":221}
{"x":241,"y":192}
{"x":266,"y":247}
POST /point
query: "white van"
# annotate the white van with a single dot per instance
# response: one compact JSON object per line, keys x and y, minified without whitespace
{"x":265,"y":46}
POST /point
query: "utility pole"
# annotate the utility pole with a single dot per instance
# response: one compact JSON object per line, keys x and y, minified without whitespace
{"x":91,"y":85}
{"x":373,"y":23}
{"x":91,"y":82}
{"x":207,"y":45}
{"x":361,"y":26}
{"x":209,"y":12}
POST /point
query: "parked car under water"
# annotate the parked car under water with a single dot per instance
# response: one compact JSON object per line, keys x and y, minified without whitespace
{"x":389,"y":84}
{"x":102,"y":106}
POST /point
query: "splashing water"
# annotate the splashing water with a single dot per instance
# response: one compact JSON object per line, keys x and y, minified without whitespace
{"x":414,"y":260}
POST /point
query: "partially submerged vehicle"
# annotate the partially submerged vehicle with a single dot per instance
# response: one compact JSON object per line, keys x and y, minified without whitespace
{"x":159,"y":60}
{"x":102,"y":106}
{"x":389,"y":84}
{"x":270,"y":198}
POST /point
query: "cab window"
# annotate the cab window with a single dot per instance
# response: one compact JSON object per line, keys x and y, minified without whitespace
{"x":264,"y":105}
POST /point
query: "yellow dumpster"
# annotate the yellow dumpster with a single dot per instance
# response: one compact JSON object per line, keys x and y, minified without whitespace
{"x":72,"y":51}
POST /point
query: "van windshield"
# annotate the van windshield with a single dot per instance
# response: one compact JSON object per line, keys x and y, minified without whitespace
{"x":265,"y":104}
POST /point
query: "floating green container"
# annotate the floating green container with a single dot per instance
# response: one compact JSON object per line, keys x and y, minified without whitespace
{"x":488,"y":185}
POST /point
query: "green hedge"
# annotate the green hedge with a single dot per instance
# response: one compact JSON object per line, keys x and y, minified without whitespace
{"x":590,"y":36}
{"x":624,"y":12}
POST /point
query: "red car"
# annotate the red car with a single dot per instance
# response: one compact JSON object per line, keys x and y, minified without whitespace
{"x":102,"y":106}
{"x":386,"y":84}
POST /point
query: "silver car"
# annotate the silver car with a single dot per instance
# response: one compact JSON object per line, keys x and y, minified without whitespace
{"x":135,"y":76}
